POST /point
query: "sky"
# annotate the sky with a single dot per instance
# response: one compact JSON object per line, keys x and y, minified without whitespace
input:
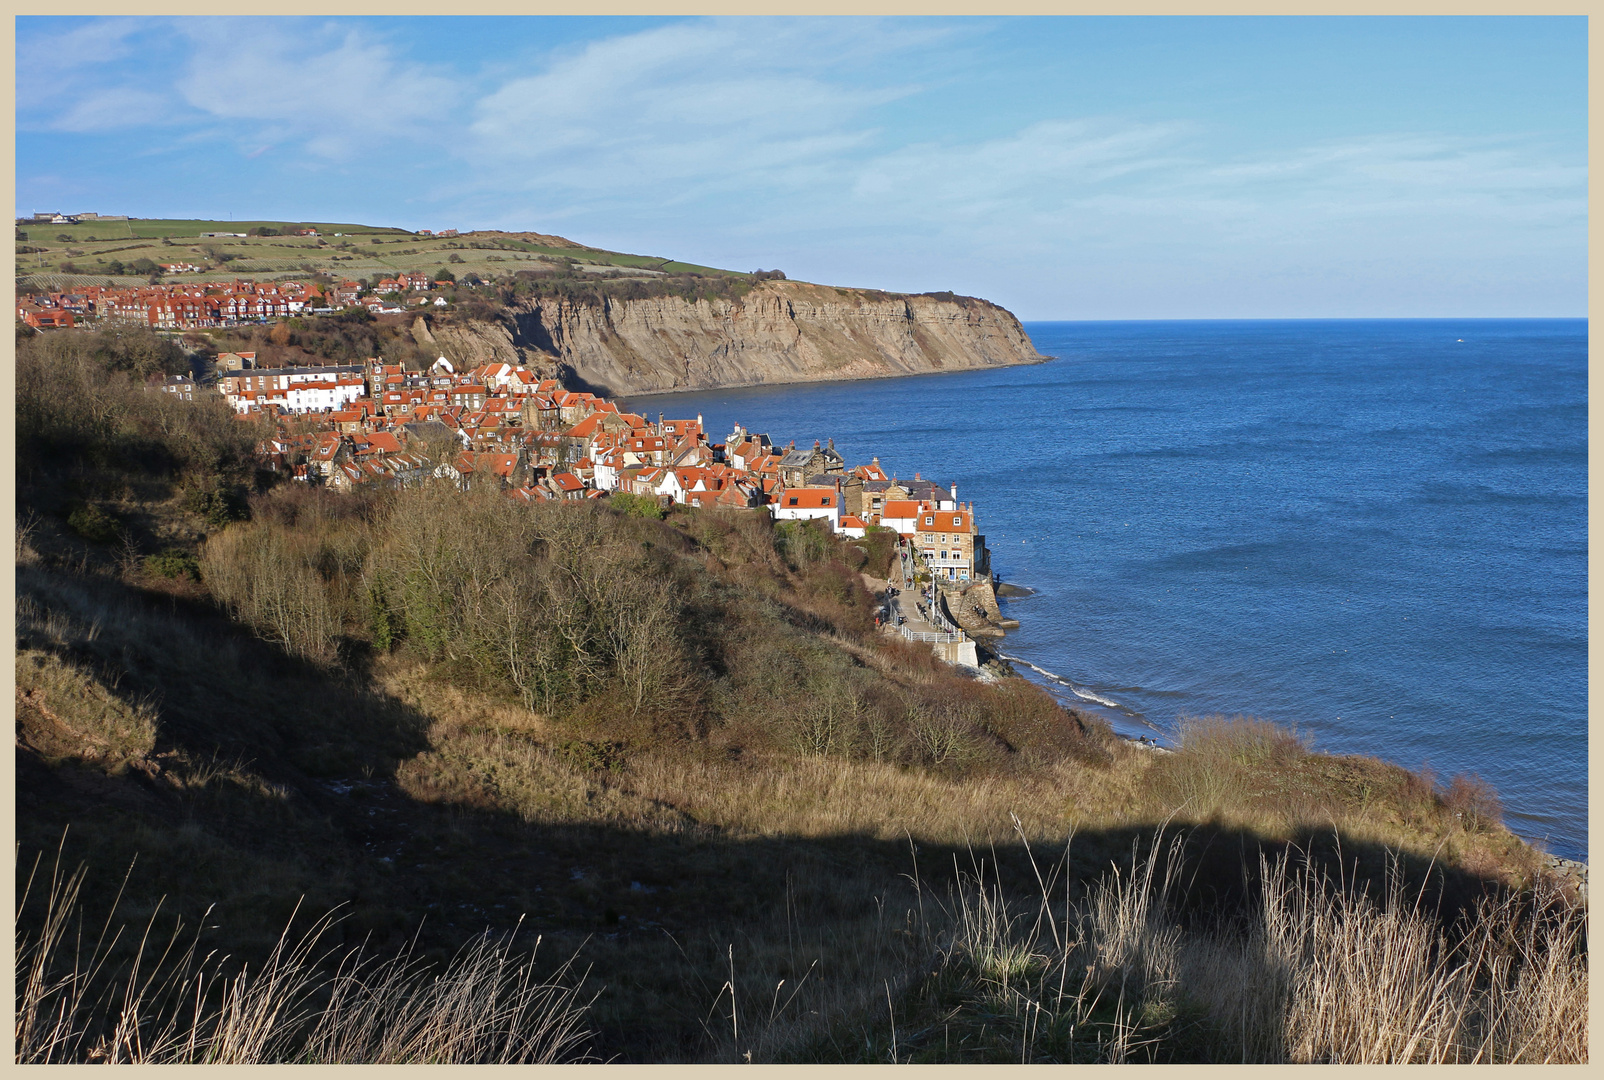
{"x":1066,"y":168}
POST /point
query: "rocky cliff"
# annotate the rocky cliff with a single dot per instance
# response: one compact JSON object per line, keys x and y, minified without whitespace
{"x":779,"y":332}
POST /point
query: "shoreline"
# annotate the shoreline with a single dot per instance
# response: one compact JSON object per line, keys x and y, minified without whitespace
{"x":629,"y":399}
{"x":1576,"y":870}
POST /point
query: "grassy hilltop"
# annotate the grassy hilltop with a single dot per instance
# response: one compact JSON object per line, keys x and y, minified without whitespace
{"x":677,"y":752}
{"x":97,"y":252}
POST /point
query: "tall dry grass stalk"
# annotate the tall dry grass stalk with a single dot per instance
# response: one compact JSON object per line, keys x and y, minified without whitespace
{"x":169,"y":1003}
{"x":1321,"y":973}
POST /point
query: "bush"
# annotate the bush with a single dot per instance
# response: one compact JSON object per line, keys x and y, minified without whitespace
{"x":172,"y":562}
{"x":879,"y":547}
{"x":590,"y":755}
{"x":644,"y":506}
{"x":802,"y":542}
{"x":94,"y":524}
{"x":1473,"y":802}
{"x":219,"y":504}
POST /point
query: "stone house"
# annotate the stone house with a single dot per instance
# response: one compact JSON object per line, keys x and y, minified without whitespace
{"x":951,"y":546}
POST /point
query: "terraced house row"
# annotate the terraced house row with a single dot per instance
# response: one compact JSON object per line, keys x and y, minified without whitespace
{"x":200,"y":305}
{"x":195,"y":305}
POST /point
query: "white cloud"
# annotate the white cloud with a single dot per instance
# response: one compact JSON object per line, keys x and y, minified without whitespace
{"x":347,"y":89}
{"x":113,"y":109}
{"x":57,"y":71}
{"x":687,"y":110}
{"x":1099,"y":181}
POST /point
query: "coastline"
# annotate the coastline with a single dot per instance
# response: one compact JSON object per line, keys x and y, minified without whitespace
{"x":630,"y":400}
{"x":1574,"y":871}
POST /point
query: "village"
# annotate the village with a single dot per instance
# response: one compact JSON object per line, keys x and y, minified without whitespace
{"x":203,"y":305}
{"x":377,"y":425}
{"x":380,"y":425}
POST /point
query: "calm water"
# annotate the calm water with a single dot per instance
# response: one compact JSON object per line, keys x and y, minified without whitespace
{"x":1376,"y":531}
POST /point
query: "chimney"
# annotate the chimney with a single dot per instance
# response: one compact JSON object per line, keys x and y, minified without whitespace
{"x":916,"y":478}
{"x":955,"y":493}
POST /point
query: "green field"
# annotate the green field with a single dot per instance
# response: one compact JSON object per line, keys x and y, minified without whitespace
{"x":88,"y":252}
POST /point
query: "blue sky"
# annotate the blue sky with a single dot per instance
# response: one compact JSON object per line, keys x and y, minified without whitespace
{"x":1074,"y":168}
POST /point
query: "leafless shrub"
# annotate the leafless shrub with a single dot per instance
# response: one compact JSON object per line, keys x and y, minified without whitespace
{"x":1473,"y":802}
{"x":257,"y":571}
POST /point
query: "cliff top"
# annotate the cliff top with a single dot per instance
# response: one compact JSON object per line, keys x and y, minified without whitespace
{"x":53,"y":258}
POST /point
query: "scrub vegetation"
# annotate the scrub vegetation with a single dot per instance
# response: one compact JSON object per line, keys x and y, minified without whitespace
{"x":304,"y":777}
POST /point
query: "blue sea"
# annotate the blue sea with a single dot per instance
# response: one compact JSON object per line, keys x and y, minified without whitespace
{"x":1375,"y":531}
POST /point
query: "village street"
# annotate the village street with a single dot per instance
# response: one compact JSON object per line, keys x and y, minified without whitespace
{"x":909,"y":598}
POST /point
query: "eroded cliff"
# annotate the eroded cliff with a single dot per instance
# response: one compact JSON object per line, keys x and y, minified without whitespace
{"x":779,"y":332}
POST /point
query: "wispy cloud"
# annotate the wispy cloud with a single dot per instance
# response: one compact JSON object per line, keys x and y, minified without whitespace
{"x":333,"y":91}
{"x":691,"y":110}
{"x":69,"y":79}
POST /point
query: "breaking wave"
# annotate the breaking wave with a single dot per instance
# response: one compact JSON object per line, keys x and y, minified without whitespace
{"x":1079,"y":691}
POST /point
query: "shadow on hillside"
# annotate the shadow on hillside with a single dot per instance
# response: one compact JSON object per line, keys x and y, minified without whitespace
{"x":651,"y":910}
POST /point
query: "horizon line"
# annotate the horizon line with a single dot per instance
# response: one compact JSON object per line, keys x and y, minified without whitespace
{"x":1319,"y":318}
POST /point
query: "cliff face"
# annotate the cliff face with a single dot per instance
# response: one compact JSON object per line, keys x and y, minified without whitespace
{"x":780,"y":332}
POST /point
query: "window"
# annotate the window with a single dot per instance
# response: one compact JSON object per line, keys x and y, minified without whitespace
{"x":957,"y":521}
{"x":825,"y":501}
{"x":792,"y":502}
{"x":930,"y":521}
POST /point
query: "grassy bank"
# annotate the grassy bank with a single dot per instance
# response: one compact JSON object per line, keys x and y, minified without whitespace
{"x":680,"y":754}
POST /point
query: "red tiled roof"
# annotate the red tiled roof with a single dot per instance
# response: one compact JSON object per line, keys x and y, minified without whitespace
{"x":810,"y":498}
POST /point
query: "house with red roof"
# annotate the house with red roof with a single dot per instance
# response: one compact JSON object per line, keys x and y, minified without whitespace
{"x":565,"y":485}
{"x":902,"y":516}
{"x":949,"y":541}
{"x":809,"y":503}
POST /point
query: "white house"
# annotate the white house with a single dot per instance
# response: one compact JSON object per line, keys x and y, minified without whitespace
{"x":901,"y":515}
{"x":802,"y":503}
{"x":608,"y":465}
{"x":320,"y":396}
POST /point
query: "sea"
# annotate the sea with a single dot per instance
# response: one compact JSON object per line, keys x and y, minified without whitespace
{"x":1372,"y":531}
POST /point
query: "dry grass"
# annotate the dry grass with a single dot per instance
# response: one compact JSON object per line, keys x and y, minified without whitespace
{"x":74,"y":712}
{"x":1252,"y":775}
{"x":169,"y":1003}
{"x":1322,"y":973}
